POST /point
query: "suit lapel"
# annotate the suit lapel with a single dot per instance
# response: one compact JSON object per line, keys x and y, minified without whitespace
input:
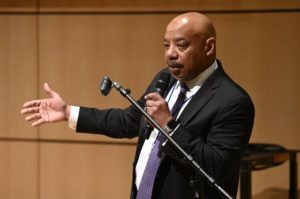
{"x":203,"y":95}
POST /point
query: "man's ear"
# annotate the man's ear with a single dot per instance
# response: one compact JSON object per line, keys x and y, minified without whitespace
{"x":210,"y":46}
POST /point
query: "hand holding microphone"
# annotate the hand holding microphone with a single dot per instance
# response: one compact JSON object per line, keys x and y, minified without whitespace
{"x":156,"y":106}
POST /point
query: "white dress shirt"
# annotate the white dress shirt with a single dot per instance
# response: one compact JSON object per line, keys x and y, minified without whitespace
{"x":194,"y":85}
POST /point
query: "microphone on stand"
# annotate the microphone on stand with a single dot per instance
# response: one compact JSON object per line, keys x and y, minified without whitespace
{"x":105,"y":85}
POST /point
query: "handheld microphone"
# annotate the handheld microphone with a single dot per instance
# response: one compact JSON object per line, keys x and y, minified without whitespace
{"x":161,"y":86}
{"x":162,"y":83}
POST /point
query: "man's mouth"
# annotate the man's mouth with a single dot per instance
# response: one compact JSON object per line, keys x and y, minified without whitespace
{"x":174,"y":64}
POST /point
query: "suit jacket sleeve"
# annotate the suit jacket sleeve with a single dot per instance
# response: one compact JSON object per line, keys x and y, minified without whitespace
{"x":114,"y":122}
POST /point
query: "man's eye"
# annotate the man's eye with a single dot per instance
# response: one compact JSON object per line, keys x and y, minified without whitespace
{"x":182,"y":46}
{"x":166,"y":45}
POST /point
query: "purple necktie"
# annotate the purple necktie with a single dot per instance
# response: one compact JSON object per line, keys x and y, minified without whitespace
{"x":147,"y":181}
{"x":180,"y":100}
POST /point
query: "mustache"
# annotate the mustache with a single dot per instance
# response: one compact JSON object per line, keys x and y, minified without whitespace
{"x":174,"y":64}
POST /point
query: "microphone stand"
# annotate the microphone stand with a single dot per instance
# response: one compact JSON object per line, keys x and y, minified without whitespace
{"x":126,"y":93}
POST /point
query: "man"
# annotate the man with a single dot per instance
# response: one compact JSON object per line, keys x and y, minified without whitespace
{"x":213,"y":122}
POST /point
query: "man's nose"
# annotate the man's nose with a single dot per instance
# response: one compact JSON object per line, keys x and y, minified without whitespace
{"x":171,"y":53}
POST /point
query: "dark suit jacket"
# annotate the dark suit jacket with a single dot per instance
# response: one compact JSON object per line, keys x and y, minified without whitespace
{"x":215,"y":128}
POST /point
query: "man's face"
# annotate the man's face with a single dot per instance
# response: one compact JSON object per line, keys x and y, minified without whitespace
{"x":184,"y":50}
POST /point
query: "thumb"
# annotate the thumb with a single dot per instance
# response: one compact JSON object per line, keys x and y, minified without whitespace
{"x":49,"y":91}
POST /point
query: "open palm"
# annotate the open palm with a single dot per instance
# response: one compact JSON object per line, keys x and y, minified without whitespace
{"x":49,"y":110}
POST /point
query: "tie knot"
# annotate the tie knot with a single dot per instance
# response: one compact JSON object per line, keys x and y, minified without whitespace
{"x":184,"y":88}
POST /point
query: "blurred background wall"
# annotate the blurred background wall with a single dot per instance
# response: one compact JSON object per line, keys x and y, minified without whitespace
{"x":72,"y":44}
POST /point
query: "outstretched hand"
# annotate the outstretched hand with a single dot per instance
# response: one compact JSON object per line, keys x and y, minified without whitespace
{"x":50,"y":110}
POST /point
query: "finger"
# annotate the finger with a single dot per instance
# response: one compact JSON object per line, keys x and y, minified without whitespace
{"x":49,"y":91}
{"x":38,"y":122}
{"x":150,"y":103}
{"x":158,"y":96}
{"x":153,"y":96}
{"x":33,"y":117}
{"x":150,"y":96}
{"x":149,"y":111}
{"x":154,"y":100}
{"x":30,"y":110}
{"x":32,"y":103}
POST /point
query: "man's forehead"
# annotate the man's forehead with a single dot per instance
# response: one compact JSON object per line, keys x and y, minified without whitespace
{"x":181,"y":30}
{"x":178,"y":23}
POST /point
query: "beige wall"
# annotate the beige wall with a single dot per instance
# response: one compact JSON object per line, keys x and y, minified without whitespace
{"x":72,"y":44}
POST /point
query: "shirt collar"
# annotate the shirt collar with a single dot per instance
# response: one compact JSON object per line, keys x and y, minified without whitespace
{"x":200,"y":79}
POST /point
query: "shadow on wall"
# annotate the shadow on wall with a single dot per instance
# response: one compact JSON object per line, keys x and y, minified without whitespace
{"x":273,"y":193}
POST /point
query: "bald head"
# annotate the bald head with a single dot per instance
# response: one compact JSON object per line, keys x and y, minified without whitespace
{"x":190,"y":45}
{"x":196,"y":22}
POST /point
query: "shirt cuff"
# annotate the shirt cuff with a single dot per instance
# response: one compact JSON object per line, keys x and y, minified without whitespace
{"x":74,"y":113}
